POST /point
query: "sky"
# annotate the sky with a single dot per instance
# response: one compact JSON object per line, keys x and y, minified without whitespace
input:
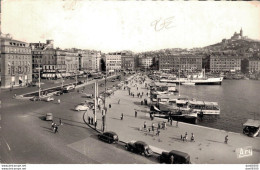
{"x":128,"y":25}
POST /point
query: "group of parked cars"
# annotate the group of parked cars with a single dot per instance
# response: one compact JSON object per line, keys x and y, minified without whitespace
{"x":140,"y":147}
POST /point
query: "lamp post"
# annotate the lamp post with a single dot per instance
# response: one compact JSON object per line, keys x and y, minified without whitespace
{"x":39,"y":68}
{"x":104,"y":116}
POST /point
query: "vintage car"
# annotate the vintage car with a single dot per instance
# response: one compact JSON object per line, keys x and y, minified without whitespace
{"x":139,"y":147}
{"x":88,"y":95}
{"x":48,"y":99}
{"x":82,"y":107}
{"x":110,"y":137}
{"x":175,"y":157}
{"x":36,"y":98}
{"x":48,"y":116}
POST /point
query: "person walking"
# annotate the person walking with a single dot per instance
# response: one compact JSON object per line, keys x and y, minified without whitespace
{"x":164,"y":125}
{"x":119,"y":101}
{"x":88,"y":120}
{"x":152,"y":126}
{"x":60,"y":122}
{"x":52,"y":125}
{"x":171,"y":159}
{"x":226,"y":139}
{"x":144,"y":125}
{"x":122,"y":116}
{"x":171,"y":121}
{"x":159,"y":125}
{"x":58,"y":101}
{"x":186,"y":136}
{"x":56,"y":129}
{"x":95,"y":124}
{"x":158,"y":132}
{"x":192,"y":138}
{"x":109,"y":105}
{"x":135,"y":113}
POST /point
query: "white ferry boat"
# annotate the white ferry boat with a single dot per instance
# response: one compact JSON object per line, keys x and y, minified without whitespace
{"x":198,"y":79}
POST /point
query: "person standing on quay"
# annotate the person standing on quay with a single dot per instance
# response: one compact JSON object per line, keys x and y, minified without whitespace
{"x":135,"y":113}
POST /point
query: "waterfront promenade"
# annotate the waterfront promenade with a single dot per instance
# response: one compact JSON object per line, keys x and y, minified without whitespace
{"x":208,"y":148}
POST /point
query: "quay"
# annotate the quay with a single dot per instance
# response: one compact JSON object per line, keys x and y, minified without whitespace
{"x":208,"y":148}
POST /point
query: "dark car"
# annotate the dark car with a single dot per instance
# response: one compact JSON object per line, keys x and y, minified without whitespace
{"x":176,"y":157}
{"x":139,"y":147}
{"x":109,"y":137}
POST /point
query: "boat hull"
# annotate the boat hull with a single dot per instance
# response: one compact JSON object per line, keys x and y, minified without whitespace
{"x":209,"y":81}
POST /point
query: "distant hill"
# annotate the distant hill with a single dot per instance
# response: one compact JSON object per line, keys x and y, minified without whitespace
{"x":241,"y":45}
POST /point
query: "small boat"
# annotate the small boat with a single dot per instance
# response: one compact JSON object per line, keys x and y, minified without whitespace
{"x":188,"y":83}
{"x":251,"y":128}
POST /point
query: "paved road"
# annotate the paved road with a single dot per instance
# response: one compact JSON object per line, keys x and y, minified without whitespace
{"x":26,"y":138}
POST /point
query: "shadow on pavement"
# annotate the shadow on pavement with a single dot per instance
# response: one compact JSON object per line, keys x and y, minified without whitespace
{"x":215,"y":141}
{"x":75,"y":125}
{"x":42,"y":118}
{"x":47,"y":129}
{"x":115,"y":118}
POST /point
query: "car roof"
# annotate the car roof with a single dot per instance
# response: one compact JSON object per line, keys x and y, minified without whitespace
{"x":183,"y":154}
{"x":111,"y":132}
{"x":141,"y":142}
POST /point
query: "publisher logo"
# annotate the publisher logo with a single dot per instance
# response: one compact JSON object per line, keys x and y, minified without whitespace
{"x":244,"y":152}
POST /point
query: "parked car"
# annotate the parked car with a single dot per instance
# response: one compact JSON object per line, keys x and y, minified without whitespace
{"x":59,"y":93}
{"x":69,"y":88}
{"x":88,"y":95}
{"x":48,"y":99}
{"x":178,"y":157}
{"x":82,"y":107}
{"x":139,"y":147}
{"x":113,"y":80}
{"x":36,"y":98}
{"x":110,"y":137}
{"x":48,"y":116}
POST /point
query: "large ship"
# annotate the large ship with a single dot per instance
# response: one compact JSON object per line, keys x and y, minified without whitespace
{"x":198,"y":79}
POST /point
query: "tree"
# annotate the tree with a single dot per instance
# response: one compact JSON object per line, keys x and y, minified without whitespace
{"x":103,"y":64}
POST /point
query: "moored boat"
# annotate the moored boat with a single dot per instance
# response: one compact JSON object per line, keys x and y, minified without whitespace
{"x":251,"y":128}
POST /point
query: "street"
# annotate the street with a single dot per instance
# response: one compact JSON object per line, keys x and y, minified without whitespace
{"x":27,"y":138}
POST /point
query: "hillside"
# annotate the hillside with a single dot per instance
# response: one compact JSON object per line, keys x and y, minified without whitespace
{"x":241,"y":45}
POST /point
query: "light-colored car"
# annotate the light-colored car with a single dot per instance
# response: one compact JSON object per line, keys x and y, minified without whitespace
{"x":82,"y":107}
{"x":88,"y":95}
{"x":48,"y":99}
{"x":49,"y":116}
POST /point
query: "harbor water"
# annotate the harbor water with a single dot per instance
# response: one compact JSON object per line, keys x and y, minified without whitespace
{"x":239,"y":100}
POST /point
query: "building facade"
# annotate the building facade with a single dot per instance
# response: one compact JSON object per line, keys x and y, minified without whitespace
{"x":128,"y":62}
{"x":89,"y":61}
{"x":182,"y":62}
{"x":113,"y":62}
{"x":225,"y":63}
{"x":16,"y":63}
{"x":145,"y":62}
{"x":254,"y":65}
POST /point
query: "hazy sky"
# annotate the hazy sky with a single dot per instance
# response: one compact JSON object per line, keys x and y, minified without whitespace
{"x":114,"y":26}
